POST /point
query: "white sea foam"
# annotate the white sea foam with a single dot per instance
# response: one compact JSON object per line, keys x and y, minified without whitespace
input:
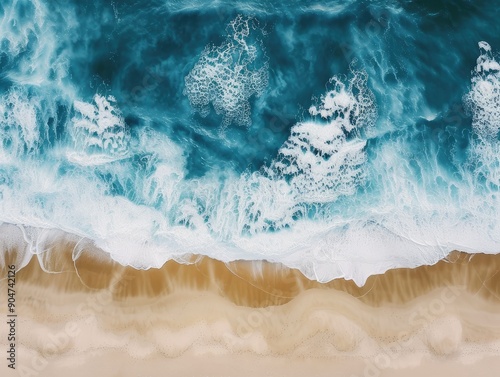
{"x":19,"y":127}
{"x":224,"y":75}
{"x":160,"y":214}
{"x":99,"y":132}
{"x":235,"y":217}
{"x":483,"y":101}
{"x":28,"y":37}
{"x":36,"y":67}
{"x":318,"y":159}
{"x":350,"y":104}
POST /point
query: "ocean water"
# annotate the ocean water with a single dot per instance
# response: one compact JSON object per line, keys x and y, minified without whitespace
{"x":343,"y":138}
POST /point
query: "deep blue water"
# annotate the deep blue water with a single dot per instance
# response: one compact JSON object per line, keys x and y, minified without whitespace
{"x":342,"y":138}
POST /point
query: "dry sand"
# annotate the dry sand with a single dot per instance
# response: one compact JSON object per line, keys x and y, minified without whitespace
{"x":250,"y":319}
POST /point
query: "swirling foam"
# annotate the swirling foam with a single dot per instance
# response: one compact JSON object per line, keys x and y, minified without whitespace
{"x":19,"y":126}
{"x":484,"y":98}
{"x":99,"y":132}
{"x":318,"y":159}
{"x":226,"y":77}
{"x":29,"y":39}
{"x":483,"y":101}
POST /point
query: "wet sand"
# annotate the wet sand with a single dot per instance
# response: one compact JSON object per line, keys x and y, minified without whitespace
{"x":250,"y":318}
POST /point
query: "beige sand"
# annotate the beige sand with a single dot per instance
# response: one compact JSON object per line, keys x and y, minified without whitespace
{"x":252,"y":319}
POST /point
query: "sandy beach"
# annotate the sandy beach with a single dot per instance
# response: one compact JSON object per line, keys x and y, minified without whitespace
{"x":250,"y":318}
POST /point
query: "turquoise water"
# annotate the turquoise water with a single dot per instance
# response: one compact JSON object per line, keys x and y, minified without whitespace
{"x":341,"y":138}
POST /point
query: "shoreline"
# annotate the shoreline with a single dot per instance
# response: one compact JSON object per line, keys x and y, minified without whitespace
{"x":249,"y":283}
{"x":209,"y":318}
